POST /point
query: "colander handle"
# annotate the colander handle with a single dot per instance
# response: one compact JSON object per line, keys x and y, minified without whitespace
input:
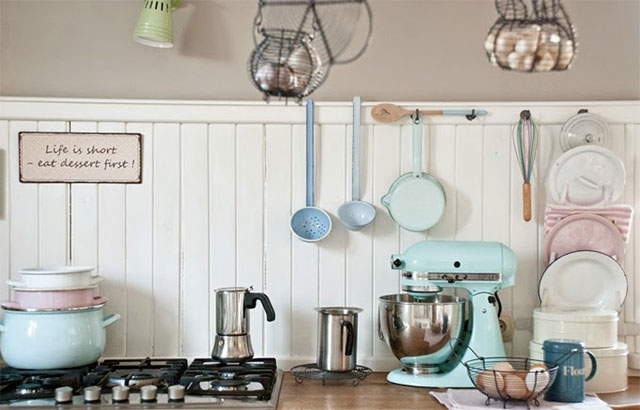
{"x":417,"y":144}
{"x":310,"y":159}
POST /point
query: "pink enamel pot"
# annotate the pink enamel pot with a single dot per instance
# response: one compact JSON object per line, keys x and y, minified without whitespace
{"x":27,"y":298}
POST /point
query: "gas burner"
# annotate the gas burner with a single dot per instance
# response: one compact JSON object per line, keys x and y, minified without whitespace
{"x":251,"y":379}
{"x":225,"y":385}
{"x":134,"y":380}
{"x":29,"y":388}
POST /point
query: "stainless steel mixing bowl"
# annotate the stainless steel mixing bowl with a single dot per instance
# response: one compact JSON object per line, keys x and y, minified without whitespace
{"x":421,"y":332}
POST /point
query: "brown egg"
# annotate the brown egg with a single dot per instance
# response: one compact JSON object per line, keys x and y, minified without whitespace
{"x":521,"y":374}
{"x":503,"y":367}
{"x":491,"y":383}
{"x":515,"y":387}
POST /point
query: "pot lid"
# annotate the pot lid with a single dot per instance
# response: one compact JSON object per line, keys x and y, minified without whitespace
{"x":587,"y":176}
{"x":584,"y":128}
{"x":17,"y":308}
{"x":584,"y":279}
{"x":575,"y":314}
{"x":58,"y":270}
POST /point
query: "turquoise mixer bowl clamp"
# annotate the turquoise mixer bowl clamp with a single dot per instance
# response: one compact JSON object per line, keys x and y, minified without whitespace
{"x":422,"y":335}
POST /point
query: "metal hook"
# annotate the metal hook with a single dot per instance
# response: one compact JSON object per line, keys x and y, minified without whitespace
{"x":471,"y":116}
{"x":525,"y":115}
{"x":416,"y":117}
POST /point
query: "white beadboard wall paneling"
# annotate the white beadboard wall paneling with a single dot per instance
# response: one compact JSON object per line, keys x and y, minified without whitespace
{"x":386,"y":168}
{"x":222,"y":213}
{"x":5,"y":193}
{"x":194,"y":254}
{"x":23,"y":204}
{"x":84,"y":213}
{"x":139,"y":251}
{"x":53,"y":212}
{"x":112,"y":254}
{"x":219,"y":187}
{"x":277,"y":238}
{"x":166,"y":238}
{"x":250,"y":219}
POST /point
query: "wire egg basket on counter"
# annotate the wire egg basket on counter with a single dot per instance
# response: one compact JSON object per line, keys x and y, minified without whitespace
{"x":297,"y":42}
{"x":536,"y":39}
{"x":509,"y":379}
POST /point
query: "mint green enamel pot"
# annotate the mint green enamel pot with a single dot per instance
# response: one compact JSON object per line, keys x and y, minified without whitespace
{"x":53,"y":339}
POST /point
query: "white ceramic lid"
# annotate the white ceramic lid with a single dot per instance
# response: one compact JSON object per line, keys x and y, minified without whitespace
{"x":584,"y":232}
{"x":584,"y":129}
{"x":617,"y":350}
{"x":573,"y":314}
{"x":583,"y":279}
{"x":587,"y":176}
{"x":59,"y":270}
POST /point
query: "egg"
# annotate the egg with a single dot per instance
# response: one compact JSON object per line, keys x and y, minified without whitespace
{"x":537,"y":378}
{"x":274,"y":77}
{"x":546,"y":63}
{"x":521,"y":374}
{"x":492,"y":383}
{"x":506,"y":41}
{"x":526,"y":46}
{"x":515,"y":387}
{"x":489,"y":42}
{"x":514,"y":61}
{"x":526,"y":62}
{"x":503,"y":367}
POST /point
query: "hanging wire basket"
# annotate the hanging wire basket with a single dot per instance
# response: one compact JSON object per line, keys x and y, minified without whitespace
{"x":297,"y":41}
{"x":286,"y":65}
{"x":539,"y":38}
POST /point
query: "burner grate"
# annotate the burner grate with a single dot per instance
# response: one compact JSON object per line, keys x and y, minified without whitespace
{"x":22,"y":384}
{"x":136,"y":373}
{"x":254,"y":378}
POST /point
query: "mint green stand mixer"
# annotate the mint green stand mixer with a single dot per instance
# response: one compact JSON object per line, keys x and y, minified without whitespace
{"x":433,"y":334}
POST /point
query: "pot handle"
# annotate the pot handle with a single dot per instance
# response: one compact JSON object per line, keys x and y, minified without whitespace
{"x":594,"y":365}
{"x":108,"y":320}
{"x":251,"y":299}
{"x":98,"y":300}
{"x":417,"y":144}
{"x":16,"y":283}
{"x":348,"y":349}
{"x":96,"y":279}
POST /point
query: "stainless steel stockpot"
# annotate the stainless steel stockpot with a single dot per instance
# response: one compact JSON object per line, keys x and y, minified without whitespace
{"x":337,"y":338}
{"x":421,"y":327}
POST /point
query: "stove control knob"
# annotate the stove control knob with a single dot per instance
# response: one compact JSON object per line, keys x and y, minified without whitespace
{"x":120,"y":393}
{"x":63,"y":394}
{"x":176,"y":392}
{"x":92,"y":394}
{"x":148,"y":393}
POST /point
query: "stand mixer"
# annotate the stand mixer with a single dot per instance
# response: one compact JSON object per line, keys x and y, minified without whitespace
{"x":426,"y":329}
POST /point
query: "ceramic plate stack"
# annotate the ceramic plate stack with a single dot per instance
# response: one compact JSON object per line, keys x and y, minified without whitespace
{"x":583,"y":287}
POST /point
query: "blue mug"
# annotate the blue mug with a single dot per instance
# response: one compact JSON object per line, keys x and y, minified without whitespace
{"x":568,"y":355}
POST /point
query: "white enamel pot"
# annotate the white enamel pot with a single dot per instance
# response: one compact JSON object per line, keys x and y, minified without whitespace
{"x":53,"y":339}
{"x":416,"y":200}
{"x":63,"y":277}
{"x":596,"y":328}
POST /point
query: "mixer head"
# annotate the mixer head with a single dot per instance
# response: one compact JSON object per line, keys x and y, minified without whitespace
{"x":430,"y":266}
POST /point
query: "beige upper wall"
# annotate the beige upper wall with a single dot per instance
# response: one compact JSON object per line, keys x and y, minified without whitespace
{"x":421,"y":50}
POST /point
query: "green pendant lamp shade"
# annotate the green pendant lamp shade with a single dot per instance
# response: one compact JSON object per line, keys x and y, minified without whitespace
{"x":155,"y":25}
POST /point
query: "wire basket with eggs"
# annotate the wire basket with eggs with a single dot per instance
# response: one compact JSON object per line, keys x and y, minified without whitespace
{"x":535,"y":37}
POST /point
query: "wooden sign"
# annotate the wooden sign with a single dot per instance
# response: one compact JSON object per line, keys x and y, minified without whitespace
{"x":80,"y":157}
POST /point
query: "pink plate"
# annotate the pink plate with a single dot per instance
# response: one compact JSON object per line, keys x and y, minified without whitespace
{"x":584,"y":232}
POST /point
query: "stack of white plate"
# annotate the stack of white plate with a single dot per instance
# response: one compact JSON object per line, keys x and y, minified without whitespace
{"x":581,"y":294}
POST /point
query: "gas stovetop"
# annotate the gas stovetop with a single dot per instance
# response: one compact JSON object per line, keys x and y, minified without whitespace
{"x":146,"y":383}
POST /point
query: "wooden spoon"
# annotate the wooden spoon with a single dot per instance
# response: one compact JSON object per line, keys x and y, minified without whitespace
{"x":390,"y":112}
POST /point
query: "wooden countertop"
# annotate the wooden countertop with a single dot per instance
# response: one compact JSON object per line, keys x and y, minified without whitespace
{"x":376,"y":393}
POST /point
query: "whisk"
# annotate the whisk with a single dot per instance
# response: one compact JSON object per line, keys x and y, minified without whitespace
{"x":525,"y":143}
